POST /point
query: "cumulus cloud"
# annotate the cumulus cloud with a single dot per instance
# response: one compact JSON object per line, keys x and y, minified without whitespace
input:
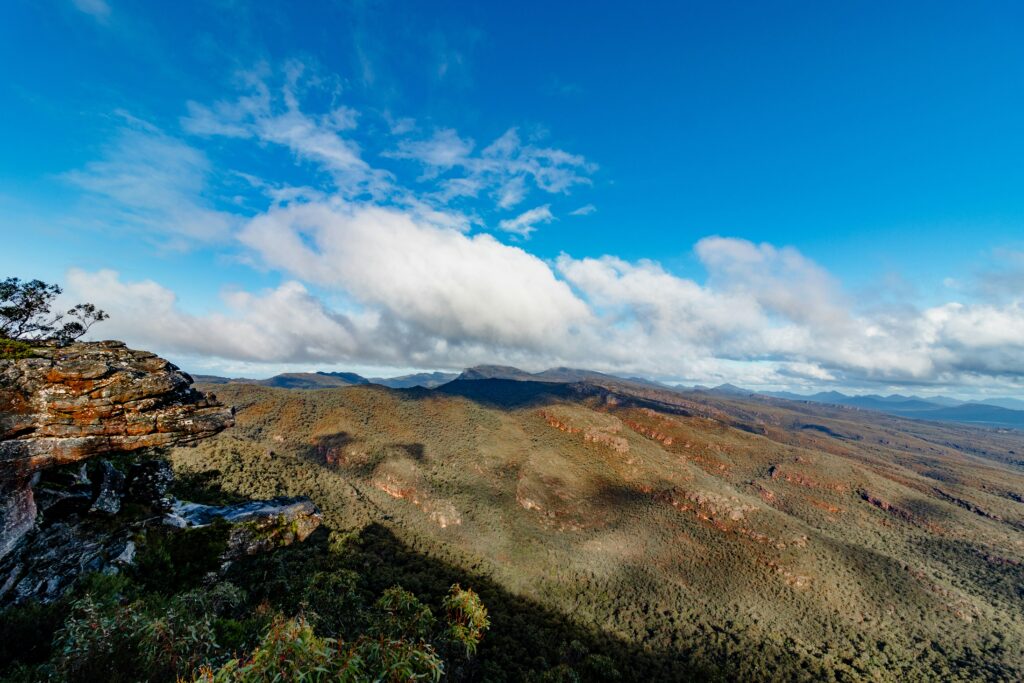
{"x":429,"y":296}
{"x":449,"y":285}
{"x":419,"y":288}
{"x":284,"y":324}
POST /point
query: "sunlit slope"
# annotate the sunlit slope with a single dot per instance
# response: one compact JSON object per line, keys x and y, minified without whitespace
{"x":766,"y":537}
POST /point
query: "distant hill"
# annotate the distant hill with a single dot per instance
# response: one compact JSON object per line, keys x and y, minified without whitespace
{"x":991,"y":412}
{"x":995,"y":412}
{"x":496,"y":372}
{"x":428,"y":380}
{"x":975,"y":413}
{"x":313,"y":380}
{"x":727,"y":390}
{"x":329,"y":380}
{"x":561,"y":375}
{"x":1009,"y":403}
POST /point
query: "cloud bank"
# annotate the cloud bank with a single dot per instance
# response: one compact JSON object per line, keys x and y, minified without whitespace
{"x":381,"y":269}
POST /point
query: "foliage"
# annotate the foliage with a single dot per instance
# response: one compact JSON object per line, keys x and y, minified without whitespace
{"x":638,"y":556}
{"x":162,"y":622}
{"x":12,"y":349}
{"x":336,"y":603}
{"x":291,"y":651}
{"x":26,"y":313}
{"x":153,"y":639}
{"x":170,"y":560}
{"x":399,"y":614}
{"x":467,"y":617}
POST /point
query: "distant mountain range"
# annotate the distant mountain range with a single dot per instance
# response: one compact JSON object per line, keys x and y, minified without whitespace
{"x":332,"y":380}
{"x":994,"y":412}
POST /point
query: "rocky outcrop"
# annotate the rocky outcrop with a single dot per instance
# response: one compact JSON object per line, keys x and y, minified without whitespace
{"x":256,"y":526}
{"x":60,"y":518}
{"x":70,"y":403}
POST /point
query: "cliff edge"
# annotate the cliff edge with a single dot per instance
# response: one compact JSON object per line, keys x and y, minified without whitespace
{"x":69,"y":403}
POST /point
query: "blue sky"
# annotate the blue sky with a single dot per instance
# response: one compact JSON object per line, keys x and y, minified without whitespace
{"x":788,"y":195}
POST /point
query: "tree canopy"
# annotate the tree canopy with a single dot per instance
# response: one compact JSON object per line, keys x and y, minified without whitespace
{"x":26,"y":313}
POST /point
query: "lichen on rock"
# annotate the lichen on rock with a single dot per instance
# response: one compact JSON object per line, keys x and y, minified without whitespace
{"x":64,"y":404}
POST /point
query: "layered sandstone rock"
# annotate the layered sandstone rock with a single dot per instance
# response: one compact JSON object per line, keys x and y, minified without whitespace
{"x":66,"y":404}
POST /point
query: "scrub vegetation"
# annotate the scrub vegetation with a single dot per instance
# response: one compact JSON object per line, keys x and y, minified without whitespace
{"x":609,"y":533}
{"x":638,"y":534}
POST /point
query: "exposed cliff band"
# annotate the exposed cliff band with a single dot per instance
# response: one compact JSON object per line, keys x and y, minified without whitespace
{"x":69,"y":403}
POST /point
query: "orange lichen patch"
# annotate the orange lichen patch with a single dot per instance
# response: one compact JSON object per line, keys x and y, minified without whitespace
{"x":649,"y":432}
{"x":558,"y":424}
{"x":900,"y":513}
{"x":677,"y":442}
{"x":886,"y":506}
{"x":767,"y":495}
{"x":396,"y":489}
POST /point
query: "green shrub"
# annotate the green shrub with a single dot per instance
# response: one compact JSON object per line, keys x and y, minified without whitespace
{"x":12,"y":349}
{"x":149,"y":639}
{"x":337,"y":602}
{"x":467,"y":617}
{"x":171,"y":560}
{"x":95,"y":643}
{"x":291,"y":651}
{"x":399,"y":614}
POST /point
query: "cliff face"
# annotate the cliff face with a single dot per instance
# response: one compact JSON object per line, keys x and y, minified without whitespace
{"x":70,"y":403}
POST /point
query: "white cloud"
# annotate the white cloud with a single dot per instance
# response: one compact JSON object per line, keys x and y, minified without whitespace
{"x":149,"y":182}
{"x":512,"y":192}
{"x":99,"y":9}
{"x":420,"y":289}
{"x":504,"y":166}
{"x":527,"y":222}
{"x":440,"y":152}
{"x":286,"y":323}
{"x":274,"y":115}
{"x":457,"y":288}
{"x":430,"y":296}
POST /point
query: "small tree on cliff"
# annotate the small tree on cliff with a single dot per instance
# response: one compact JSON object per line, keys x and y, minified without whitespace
{"x":26,"y":315}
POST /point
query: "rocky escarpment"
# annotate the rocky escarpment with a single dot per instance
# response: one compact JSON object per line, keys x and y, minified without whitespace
{"x":67,"y":416}
{"x":70,"y":403}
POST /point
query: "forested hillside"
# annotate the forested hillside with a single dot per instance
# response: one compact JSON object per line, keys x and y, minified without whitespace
{"x":658,"y":534}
